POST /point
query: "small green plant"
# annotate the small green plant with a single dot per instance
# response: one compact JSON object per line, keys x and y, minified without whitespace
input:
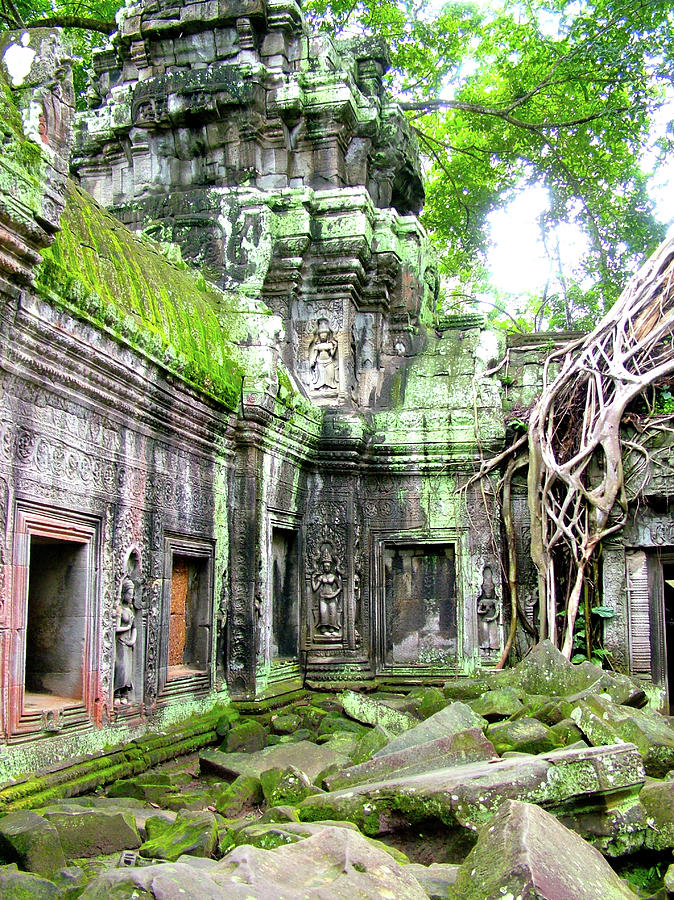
{"x":518,"y":424}
{"x":664,"y":401}
{"x":597,"y":654}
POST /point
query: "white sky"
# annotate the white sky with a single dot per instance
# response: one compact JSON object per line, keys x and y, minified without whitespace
{"x":518,"y":261}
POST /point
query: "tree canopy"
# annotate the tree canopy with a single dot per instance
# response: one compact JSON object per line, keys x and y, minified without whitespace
{"x":503,"y":95}
{"x":540,"y":92}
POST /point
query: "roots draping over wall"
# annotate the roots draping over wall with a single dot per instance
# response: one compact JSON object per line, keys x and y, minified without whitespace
{"x":577,"y":439}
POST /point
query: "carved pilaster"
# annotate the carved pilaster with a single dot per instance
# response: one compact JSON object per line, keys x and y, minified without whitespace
{"x":245,"y":589}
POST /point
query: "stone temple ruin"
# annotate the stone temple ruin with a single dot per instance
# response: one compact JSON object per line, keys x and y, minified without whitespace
{"x":227,"y":481}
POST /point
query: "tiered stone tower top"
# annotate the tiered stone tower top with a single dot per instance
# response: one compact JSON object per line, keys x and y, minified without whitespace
{"x":278,"y":163}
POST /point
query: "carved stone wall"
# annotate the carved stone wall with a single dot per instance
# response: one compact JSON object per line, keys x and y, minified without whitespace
{"x":278,"y":162}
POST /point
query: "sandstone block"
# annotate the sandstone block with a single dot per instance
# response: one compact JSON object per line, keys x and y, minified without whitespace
{"x":32,"y":842}
{"x":526,"y":852}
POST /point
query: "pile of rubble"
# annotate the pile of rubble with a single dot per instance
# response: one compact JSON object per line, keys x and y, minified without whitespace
{"x":516,"y":784}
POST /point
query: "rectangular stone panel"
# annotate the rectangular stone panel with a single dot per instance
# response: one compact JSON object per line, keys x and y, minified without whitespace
{"x":420,"y":603}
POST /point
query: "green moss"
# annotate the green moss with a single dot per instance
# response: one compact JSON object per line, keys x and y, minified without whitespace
{"x":100,"y":271}
{"x":118,"y":763}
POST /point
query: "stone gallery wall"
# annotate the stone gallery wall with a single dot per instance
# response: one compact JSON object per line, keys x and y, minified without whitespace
{"x":276,"y":160}
{"x":144,"y":439}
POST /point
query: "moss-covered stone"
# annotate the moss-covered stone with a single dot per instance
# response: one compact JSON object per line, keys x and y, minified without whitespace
{"x":282,"y":813}
{"x":526,"y":852}
{"x":374,"y":712}
{"x":32,"y":841}
{"x":285,"y":786}
{"x":497,"y":704}
{"x":522,"y":735}
{"x":103,"y":272}
{"x":657,"y":798}
{"x":195,"y":833}
{"x":465,"y":689}
{"x":334,"y":723}
{"x":16,"y":885}
{"x":286,"y":724}
{"x":432,"y":701}
{"x":92,"y":832}
{"x":243,"y":793}
{"x":567,"y":732}
{"x":245,"y":737}
{"x":373,"y":740}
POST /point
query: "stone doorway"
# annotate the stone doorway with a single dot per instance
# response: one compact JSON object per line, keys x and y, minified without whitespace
{"x":668,"y":620}
{"x":420,"y":607}
{"x":56,"y":623}
{"x":189,"y":625}
{"x":54,"y":674}
{"x":285,"y":595}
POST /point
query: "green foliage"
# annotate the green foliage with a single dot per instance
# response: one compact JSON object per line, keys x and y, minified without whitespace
{"x":664,"y":401}
{"x":597,"y":654}
{"x":546,"y":93}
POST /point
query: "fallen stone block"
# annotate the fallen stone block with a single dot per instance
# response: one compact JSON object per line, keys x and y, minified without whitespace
{"x":282,"y":786}
{"x":547,"y":671}
{"x":334,"y":724}
{"x":243,"y":793}
{"x":522,"y":735}
{"x":657,"y":798}
{"x":164,"y":881}
{"x":526,"y":852}
{"x":669,"y":879}
{"x":450,"y":720}
{"x":436,"y":879}
{"x":268,"y":836}
{"x":603,"y":722}
{"x":375,"y":712}
{"x":430,"y":702}
{"x":31,"y":841}
{"x":342,"y":742}
{"x":288,"y":723}
{"x":194,"y":833}
{"x":310,"y":758}
{"x":336,"y":862}
{"x":467,"y":796}
{"x":497,"y":704}
{"x":93,"y":832}
{"x":453,"y":750}
{"x":245,"y":737}
{"x":465,"y":689}
{"x":16,"y":885}
{"x":369,"y":744}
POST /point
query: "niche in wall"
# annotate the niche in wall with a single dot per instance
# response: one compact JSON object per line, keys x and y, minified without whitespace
{"x":285,"y":595}
{"x":420,"y":604}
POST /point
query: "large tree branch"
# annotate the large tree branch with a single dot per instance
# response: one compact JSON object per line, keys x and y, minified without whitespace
{"x":84,"y":23}
{"x":505,"y":115}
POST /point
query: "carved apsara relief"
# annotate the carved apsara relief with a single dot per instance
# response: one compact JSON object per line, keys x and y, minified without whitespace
{"x":323,"y":358}
{"x":488,"y":614}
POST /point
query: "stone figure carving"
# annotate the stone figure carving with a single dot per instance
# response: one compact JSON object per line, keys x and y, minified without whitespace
{"x":487,"y":613}
{"x":323,"y":357}
{"x":125,"y":637}
{"x":326,"y":583}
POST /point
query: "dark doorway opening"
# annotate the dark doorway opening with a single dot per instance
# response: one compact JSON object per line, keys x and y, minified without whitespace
{"x":420,"y":604}
{"x":668,"y":579}
{"x":56,"y":621}
{"x":189,"y":623}
{"x":285,"y":595}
